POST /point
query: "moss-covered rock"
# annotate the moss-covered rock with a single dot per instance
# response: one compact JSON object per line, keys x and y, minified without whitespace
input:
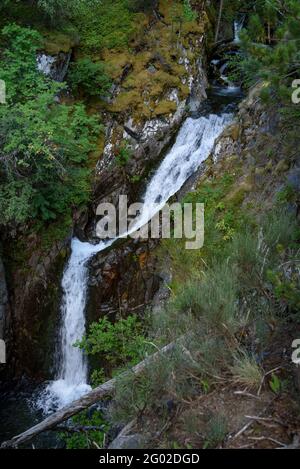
{"x":165,"y":107}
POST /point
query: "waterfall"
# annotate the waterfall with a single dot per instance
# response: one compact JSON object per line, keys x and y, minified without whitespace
{"x":193,"y":145}
{"x":54,"y":66}
{"x":237,"y":27}
{"x":45,"y":63}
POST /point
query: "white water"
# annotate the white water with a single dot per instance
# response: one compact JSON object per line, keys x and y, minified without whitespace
{"x":193,"y":145}
{"x":45,"y":63}
{"x":238,"y":26}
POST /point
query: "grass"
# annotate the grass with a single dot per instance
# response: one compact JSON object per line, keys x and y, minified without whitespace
{"x":216,"y":431}
{"x":214,"y":298}
{"x":246,"y":371}
{"x":219,"y":313}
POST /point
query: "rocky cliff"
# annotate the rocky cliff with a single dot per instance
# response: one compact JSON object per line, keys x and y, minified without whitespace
{"x":153,"y":87}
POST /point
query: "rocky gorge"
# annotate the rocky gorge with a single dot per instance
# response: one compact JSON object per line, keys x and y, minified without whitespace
{"x":169,"y":75}
{"x":147,"y":138}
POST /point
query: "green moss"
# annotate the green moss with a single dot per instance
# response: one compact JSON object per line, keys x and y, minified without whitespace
{"x":165,"y":107}
{"x":126,"y":101}
{"x":116,"y":61}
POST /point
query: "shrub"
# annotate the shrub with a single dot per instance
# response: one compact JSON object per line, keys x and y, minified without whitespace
{"x":82,"y":439}
{"x":89,"y":77}
{"x":44,"y":144}
{"x":123,"y":155}
{"x":280,"y":228}
{"x":214,"y":298}
{"x":121,"y":343}
{"x":102,"y":27}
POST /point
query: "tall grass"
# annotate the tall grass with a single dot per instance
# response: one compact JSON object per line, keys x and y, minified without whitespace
{"x":214,"y":299}
{"x":246,"y":371}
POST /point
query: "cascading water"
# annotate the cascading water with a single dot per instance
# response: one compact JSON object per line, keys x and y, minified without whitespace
{"x":194,"y":142}
{"x":45,"y":63}
{"x":238,"y":26}
{"x":54,"y":66}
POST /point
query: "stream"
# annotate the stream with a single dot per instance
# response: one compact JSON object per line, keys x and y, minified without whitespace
{"x":193,"y":145}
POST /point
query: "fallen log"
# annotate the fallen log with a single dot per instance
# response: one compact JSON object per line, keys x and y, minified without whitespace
{"x":86,"y":401}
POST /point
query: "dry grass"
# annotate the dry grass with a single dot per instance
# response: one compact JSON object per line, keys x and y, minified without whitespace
{"x":246,"y":371}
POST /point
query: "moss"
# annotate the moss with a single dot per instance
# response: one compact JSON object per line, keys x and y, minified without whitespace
{"x":126,"y":101}
{"x":95,"y":155}
{"x":55,"y":42}
{"x":165,"y":107}
{"x":192,"y":27}
{"x":116,"y":62}
{"x":282,"y":167}
{"x":237,"y":196}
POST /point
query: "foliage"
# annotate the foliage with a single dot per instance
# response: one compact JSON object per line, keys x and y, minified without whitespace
{"x":121,"y":343}
{"x":102,"y":26}
{"x":64,"y":10}
{"x":213,"y":297}
{"x":123,"y":155}
{"x":44,"y":144}
{"x":275,"y":384}
{"x":86,"y":439}
{"x":216,"y":431}
{"x":270,"y":51}
{"x":89,"y":77}
{"x":18,"y":64}
{"x":246,"y":371}
{"x":188,"y":13}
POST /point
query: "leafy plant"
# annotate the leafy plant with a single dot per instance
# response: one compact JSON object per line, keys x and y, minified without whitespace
{"x":44,"y":144}
{"x":89,"y":77}
{"x":123,"y":155}
{"x":120,"y":343}
{"x":80,"y":436}
{"x":275,"y":384}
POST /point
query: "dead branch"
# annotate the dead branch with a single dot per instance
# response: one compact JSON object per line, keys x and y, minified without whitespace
{"x":86,"y":401}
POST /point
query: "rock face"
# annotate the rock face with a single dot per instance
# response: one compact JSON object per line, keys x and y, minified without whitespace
{"x":154,"y":87}
{"x":123,"y":280}
{"x":34,"y":291}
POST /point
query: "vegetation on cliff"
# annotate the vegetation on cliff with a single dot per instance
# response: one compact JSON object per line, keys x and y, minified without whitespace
{"x":233,"y":303}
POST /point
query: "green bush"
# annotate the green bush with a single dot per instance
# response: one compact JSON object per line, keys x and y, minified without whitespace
{"x":86,"y":439}
{"x":214,"y":298}
{"x":106,"y":25}
{"x":44,"y":144}
{"x":120,"y":343}
{"x":89,"y":77}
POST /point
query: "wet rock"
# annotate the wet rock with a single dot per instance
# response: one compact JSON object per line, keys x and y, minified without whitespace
{"x":122,"y":280}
